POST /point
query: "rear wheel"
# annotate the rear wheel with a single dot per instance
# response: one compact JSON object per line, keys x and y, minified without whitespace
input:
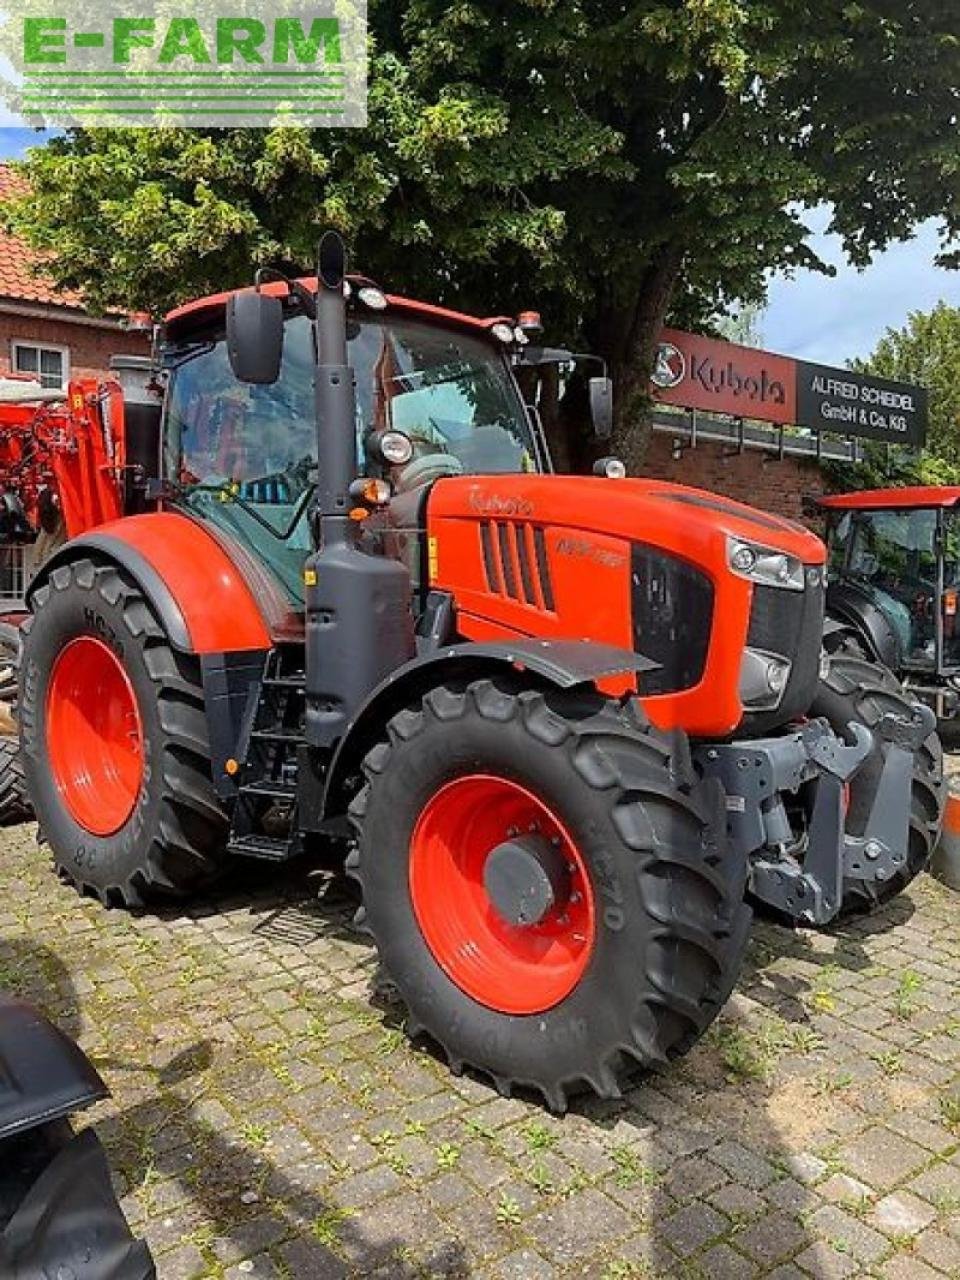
{"x":115,"y":743}
{"x":14,"y":805}
{"x":855,"y":689}
{"x":548,"y":884}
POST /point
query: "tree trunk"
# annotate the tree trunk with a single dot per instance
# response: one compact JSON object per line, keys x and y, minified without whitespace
{"x":631,"y":364}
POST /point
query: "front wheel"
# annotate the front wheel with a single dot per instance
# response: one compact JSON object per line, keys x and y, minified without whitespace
{"x":548,"y":885}
{"x":114,"y":742}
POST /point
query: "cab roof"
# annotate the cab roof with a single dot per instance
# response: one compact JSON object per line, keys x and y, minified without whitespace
{"x":943,"y":495}
{"x":200,"y":313}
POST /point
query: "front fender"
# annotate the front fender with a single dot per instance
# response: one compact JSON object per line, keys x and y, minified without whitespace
{"x":43,"y":1075}
{"x":204,"y":596}
{"x":564,"y":664}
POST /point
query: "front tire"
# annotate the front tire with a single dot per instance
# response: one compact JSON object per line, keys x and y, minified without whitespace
{"x":114,"y":741}
{"x":644,"y":928}
{"x":856,"y":689}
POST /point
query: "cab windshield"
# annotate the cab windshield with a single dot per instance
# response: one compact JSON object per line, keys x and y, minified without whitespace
{"x":245,"y":456}
{"x":892,"y":556}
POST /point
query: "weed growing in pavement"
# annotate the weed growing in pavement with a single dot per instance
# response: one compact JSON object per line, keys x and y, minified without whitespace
{"x":802,"y":1039}
{"x":539,"y":1137}
{"x":908,"y":987}
{"x":822,"y":994}
{"x":316,"y":1029}
{"x":448,"y":1155}
{"x":950,"y":1110}
{"x":833,"y":1082}
{"x":480,"y":1129}
{"x":508,"y":1211}
{"x":540,"y":1179}
{"x":390,"y":1042}
{"x":621,"y":1269}
{"x":630,"y":1169}
{"x":327,"y":1225}
{"x":890,"y":1062}
{"x":747,"y":1055}
{"x":255,"y":1135}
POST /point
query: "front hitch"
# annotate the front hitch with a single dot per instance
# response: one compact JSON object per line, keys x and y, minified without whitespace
{"x":803,"y":874}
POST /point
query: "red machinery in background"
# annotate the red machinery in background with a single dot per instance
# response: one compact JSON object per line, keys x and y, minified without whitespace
{"x":69,"y":461}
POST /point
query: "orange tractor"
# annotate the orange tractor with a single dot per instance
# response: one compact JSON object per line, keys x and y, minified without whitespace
{"x":565,"y":725}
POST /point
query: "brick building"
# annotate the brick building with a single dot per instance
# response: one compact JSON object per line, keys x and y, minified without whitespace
{"x":46,"y":332}
{"x":753,"y":476}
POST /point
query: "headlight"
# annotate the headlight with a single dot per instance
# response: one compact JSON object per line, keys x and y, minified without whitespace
{"x":763,"y":679}
{"x":765,"y":566}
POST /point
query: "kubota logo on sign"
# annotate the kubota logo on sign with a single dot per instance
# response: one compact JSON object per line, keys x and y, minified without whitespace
{"x":669,"y":367}
{"x":705,"y":373}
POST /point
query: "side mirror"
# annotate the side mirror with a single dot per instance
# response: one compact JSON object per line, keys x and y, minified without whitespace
{"x":255,"y":337}
{"x":601,"y":407}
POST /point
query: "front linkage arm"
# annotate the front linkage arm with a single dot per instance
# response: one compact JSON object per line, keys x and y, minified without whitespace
{"x":758,"y":775}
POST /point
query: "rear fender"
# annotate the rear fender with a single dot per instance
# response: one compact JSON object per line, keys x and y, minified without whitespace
{"x":562,"y":664}
{"x":44,"y":1076}
{"x":206,"y":599}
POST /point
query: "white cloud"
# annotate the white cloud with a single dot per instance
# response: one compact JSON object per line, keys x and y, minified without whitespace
{"x":832,"y":319}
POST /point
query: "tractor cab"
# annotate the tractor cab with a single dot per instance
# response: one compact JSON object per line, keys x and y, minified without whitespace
{"x":436,"y":396}
{"x":895,"y":583}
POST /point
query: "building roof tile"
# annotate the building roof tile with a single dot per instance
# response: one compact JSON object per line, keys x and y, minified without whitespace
{"x":18,"y":278}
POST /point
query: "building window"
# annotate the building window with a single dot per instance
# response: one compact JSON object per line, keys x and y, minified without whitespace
{"x":49,"y":365}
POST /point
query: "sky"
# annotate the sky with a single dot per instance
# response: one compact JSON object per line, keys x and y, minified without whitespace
{"x":828,"y":320}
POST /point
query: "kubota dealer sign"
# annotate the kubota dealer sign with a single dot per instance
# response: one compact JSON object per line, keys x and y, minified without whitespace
{"x":695,"y":372}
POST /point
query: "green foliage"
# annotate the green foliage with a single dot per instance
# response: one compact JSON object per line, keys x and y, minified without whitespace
{"x":925,"y":351}
{"x":605,"y":161}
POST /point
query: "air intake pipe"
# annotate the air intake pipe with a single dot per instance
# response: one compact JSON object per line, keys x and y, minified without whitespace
{"x":359,"y":621}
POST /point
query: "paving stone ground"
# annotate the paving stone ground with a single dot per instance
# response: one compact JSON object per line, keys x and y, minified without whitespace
{"x":269,"y":1119}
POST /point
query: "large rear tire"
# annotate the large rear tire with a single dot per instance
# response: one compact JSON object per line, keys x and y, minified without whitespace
{"x":856,"y":689}
{"x":114,"y":740}
{"x":644,"y":928}
{"x":14,"y":804}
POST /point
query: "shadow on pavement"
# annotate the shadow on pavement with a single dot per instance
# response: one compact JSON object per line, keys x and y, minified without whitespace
{"x":164,"y":1148}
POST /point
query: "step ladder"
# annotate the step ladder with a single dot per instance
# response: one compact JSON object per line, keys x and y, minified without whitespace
{"x":267,"y":793}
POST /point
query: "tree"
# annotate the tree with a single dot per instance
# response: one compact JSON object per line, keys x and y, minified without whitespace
{"x":926,"y":351}
{"x":610,"y":161}
{"x":743,"y":325}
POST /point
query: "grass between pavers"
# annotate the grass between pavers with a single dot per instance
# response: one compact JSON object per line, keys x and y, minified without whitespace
{"x":293,"y":1071}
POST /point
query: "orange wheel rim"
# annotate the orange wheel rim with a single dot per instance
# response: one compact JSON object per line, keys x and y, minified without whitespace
{"x":94,"y":736}
{"x":512,"y":968}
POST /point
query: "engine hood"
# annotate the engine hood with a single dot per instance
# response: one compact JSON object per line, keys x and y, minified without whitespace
{"x":636,"y":509}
